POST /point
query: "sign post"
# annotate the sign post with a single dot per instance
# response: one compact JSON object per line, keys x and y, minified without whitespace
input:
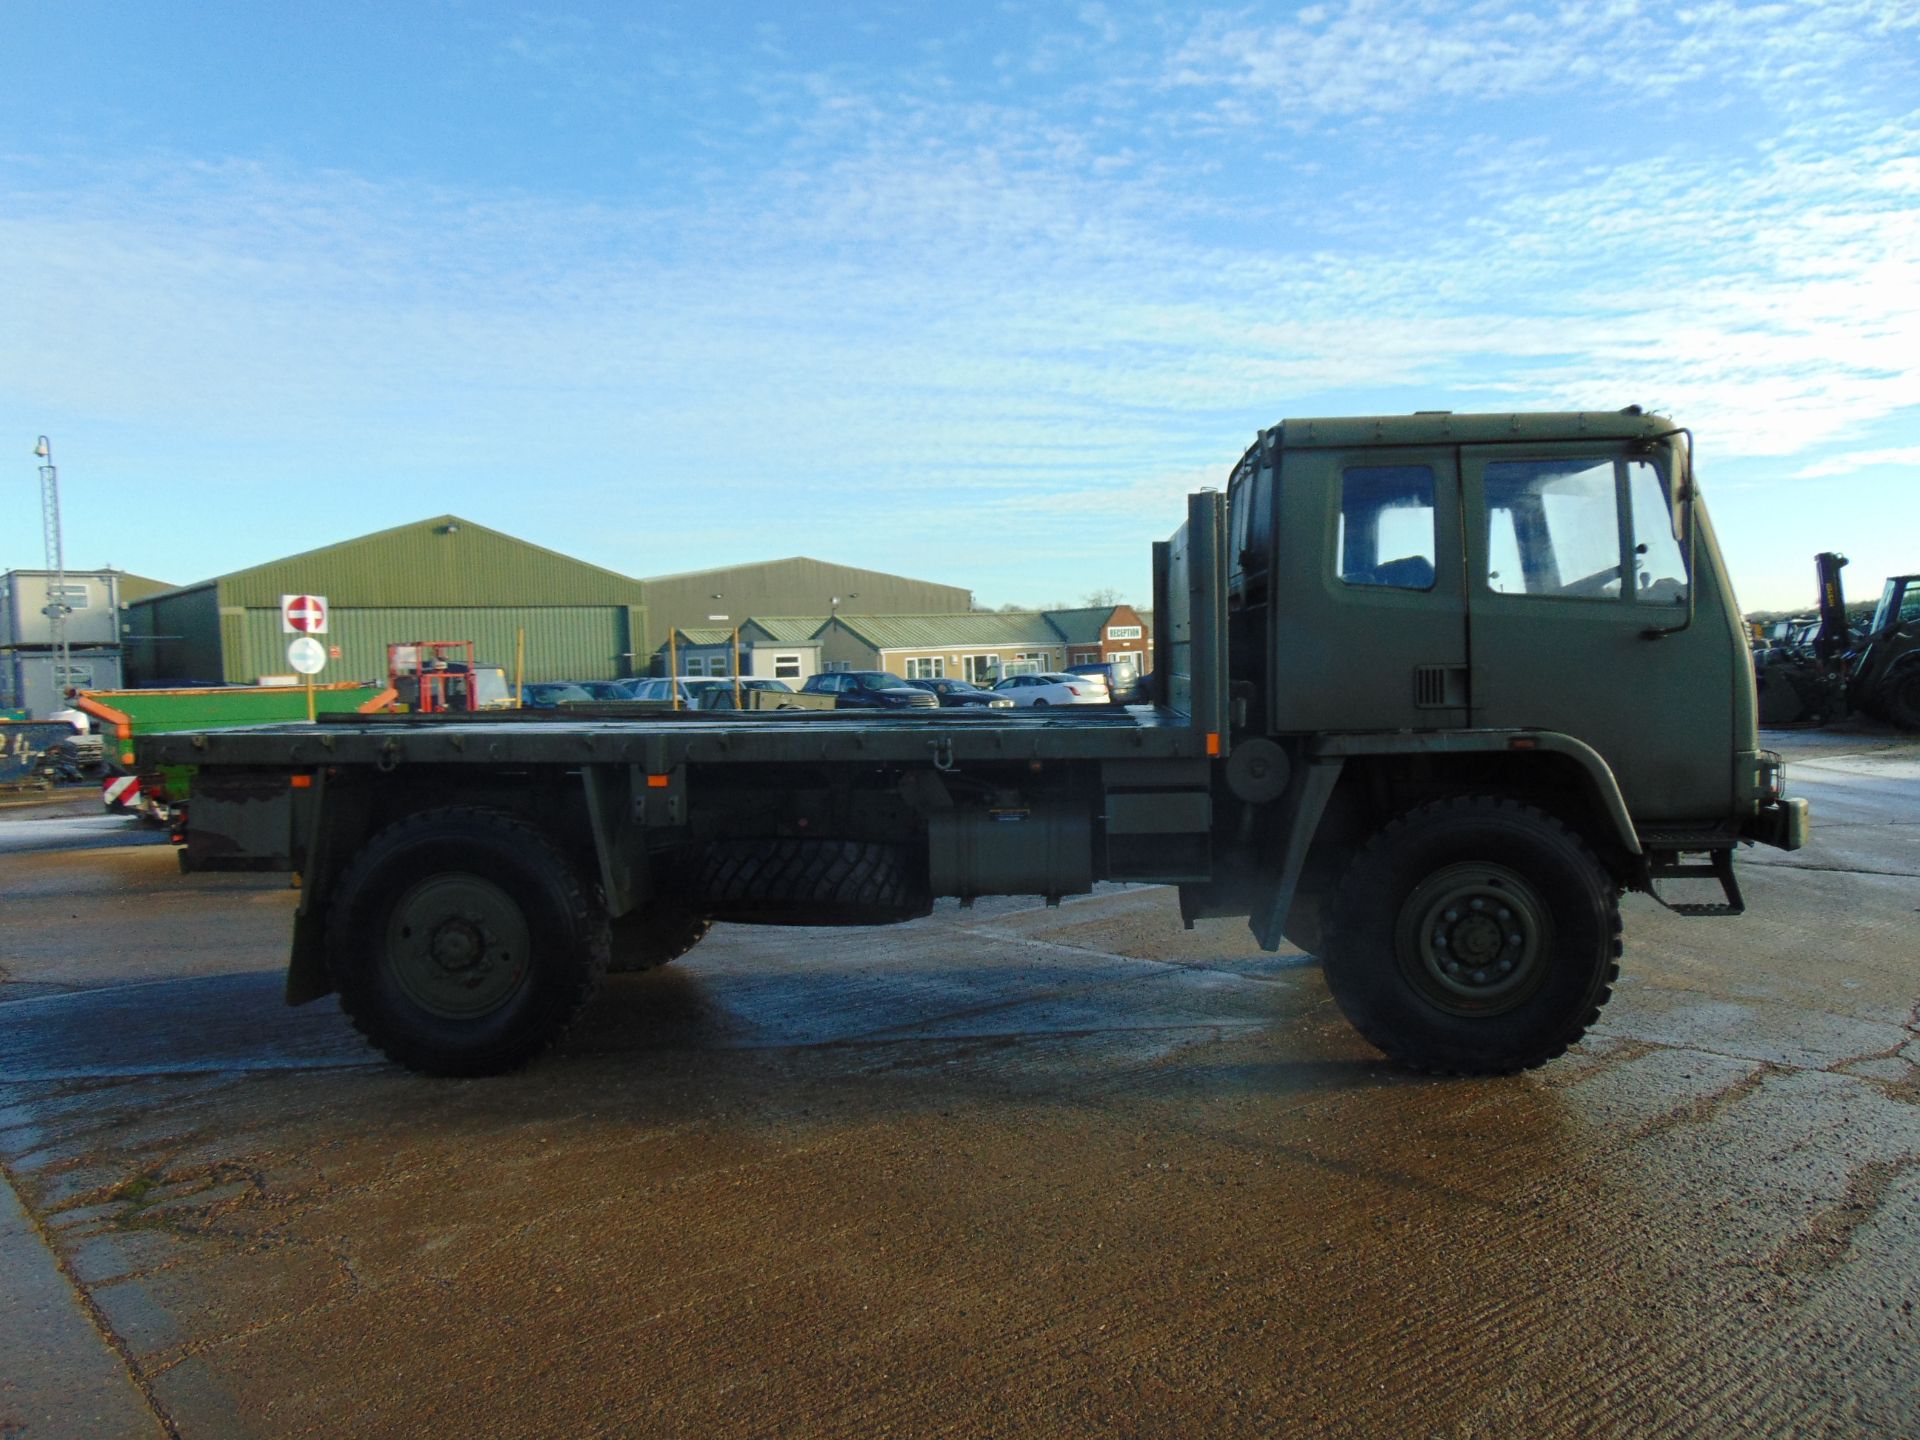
{"x":308,"y":657}
{"x":305,"y":616}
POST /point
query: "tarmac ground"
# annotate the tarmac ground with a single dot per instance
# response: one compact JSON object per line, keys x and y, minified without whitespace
{"x":1007,"y":1171}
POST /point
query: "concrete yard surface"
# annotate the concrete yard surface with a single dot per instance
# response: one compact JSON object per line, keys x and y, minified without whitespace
{"x":1008,"y":1171}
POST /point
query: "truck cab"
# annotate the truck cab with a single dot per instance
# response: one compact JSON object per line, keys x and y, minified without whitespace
{"x":1509,"y":632}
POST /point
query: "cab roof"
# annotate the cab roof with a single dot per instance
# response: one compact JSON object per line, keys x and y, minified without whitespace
{"x":1444,"y":427}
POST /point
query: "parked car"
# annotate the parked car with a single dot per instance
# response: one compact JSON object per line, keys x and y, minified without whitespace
{"x":720,"y":696}
{"x":1123,"y":679}
{"x":602,"y":689}
{"x":963,"y":695}
{"x":869,"y":690}
{"x":545,"y":694}
{"x":692,"y":689}
{"x":1051,"y":688}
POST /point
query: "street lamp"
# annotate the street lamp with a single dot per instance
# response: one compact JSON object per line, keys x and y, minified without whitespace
{"x":57,"y":607}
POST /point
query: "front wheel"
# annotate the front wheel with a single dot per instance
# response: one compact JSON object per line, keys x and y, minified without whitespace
{"x":463,"y":942}
{"x":1473,"y":936}
{"x":1039,"y":704}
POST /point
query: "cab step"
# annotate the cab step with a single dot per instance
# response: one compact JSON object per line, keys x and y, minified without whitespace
{"x":1674,"y":865}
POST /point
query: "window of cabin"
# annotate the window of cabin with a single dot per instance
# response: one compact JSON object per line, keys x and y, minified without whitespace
{"x":1553,"y":528}
{"x":1386,"y":531}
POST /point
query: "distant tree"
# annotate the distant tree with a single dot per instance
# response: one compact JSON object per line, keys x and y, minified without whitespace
{"x":1102,"y":599}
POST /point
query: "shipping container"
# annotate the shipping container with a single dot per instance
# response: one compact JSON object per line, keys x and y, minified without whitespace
{"x":33,"y":681}
{"x":91,"y":598}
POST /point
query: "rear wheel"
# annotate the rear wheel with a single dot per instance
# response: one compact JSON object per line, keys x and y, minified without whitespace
{"x":1473,"y":936}
{"x":1039,"y":704}
{"x":649,"y":937}
{"x":462,"y":942}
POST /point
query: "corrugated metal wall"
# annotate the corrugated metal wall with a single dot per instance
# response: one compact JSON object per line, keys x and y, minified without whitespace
{"x":439,"y":579}
{"x":563,"y":642}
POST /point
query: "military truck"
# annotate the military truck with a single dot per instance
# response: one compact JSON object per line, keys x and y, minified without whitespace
{"x":1430,"y":693}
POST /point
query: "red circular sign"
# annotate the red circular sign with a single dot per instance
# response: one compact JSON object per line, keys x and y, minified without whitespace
{"x":307,"y":614}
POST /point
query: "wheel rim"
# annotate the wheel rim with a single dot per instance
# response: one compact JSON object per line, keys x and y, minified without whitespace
{"x":458,"y":945}
{"x":1474,"y":939}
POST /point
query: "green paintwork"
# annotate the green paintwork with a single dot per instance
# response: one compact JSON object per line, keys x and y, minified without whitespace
{"x":446,"y":578}
{"x":224,"y":707}
{"x":1668,"y":716}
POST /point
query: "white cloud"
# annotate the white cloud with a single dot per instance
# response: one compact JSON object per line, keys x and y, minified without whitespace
{"x":1386,"y":56}
{"x":1853,"y":461}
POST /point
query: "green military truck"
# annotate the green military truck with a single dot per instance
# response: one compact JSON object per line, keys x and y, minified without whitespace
{"x":1429,"y":694}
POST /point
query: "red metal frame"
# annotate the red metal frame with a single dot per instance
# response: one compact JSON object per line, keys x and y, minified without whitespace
{"x":433,"y":673}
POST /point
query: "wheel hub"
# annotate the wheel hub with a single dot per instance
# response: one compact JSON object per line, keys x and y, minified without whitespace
{"x":458,"y":945}
{"x":1473,"y":938}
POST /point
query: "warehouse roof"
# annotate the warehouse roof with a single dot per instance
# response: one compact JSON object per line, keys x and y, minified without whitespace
{"x":1081,"y":627}
{"x":459,"y":561}
{"x":936,"y":632}
{"x":789,"y":560}
{"x":788,"y":629}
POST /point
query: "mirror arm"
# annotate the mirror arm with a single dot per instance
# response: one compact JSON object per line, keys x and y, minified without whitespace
{"x":1686,"y":494}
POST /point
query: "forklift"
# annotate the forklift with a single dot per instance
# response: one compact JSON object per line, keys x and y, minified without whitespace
{"x":433,"y":677}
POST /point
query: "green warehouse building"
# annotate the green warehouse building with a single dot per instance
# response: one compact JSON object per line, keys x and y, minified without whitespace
{"x":439,"y":579}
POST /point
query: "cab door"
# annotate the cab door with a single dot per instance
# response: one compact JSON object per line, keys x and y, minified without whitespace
{"x":1579,"y":618}
{"x":1369,"y":628}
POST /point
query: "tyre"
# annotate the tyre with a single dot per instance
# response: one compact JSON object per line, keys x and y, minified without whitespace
{"x":1898,"y":697}
{"x":462,"y":942}
{"x":1039,"y":704}
{"x":649,"y":937}
{"x":806,"y":882}
{"x":1473,"y":936}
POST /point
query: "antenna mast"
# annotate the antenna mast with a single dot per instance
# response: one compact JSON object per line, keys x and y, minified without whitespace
{"x":57,"y":607}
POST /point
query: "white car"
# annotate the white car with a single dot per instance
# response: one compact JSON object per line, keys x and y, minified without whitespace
{"x":1040,"y":691}
{"x":693,"y":689}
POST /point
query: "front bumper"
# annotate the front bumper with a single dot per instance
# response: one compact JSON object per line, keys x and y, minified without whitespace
{"x":1779,"y":823}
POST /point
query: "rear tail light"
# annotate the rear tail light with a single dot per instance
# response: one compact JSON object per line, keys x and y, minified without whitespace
{"x":1073,"y":689}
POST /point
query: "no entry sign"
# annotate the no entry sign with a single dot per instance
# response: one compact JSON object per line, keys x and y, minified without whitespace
{"x":303,"y":614}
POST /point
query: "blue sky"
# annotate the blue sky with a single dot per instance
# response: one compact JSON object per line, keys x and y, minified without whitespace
{"x":969,"y":292}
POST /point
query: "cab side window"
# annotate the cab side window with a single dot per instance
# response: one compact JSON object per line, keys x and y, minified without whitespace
{"x":1553,"y":528}
{"x":1249,"y":531}
{"x":1659,"y":554}
{"x":1386,"y":535}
